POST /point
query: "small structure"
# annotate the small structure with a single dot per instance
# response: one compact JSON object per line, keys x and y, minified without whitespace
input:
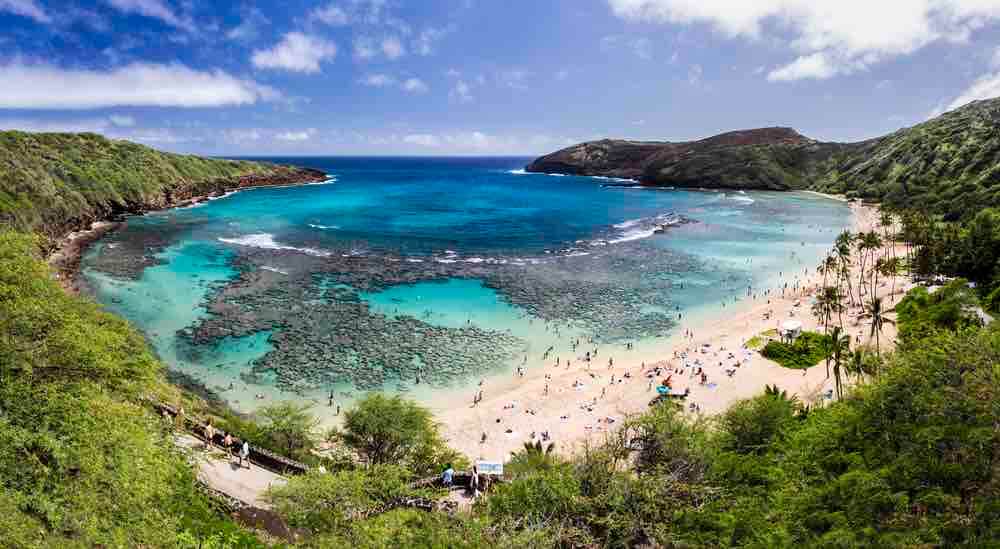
{"x":790,"y":329}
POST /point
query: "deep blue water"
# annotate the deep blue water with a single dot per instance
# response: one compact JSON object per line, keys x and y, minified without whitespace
{"x":476,"y":216}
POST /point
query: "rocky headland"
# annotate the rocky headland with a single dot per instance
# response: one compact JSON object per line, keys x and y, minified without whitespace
{"x":948,"y":165}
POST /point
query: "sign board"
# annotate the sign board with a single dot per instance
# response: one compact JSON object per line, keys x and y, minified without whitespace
{"x":494,"y":468}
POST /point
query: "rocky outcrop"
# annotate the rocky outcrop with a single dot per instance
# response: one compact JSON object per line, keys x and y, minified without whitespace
{"x":765,"y":158}
{"x":948,"y":163}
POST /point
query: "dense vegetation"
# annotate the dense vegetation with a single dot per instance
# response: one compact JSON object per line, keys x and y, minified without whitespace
{"x":83,"y":461}
{"x":805,"y":351}
{"x":56,"y":182}
{"x":949,"y":165}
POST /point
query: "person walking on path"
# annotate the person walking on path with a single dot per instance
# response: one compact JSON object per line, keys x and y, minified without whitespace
{"x":447,"y":476}
{"x":209,"y":435}
{"x":227,"y":443}
{"x":245,"y":454}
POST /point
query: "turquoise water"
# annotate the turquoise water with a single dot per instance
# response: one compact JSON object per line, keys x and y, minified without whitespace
{"x":418,"y":274}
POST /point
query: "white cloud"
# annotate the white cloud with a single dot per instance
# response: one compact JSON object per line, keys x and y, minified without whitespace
{"x":423,"y":44}
{"x":694,"y":74}
{"x":249,"y":28}
{"x":378,"y":80}
{"x":295,"y":136}
{"x":240,"y":136}
{"x":331,"y":14}
{"x":381,"y":80}
{"x":816,"y":66}
{"x":829,"y":38}
{"x":985,"y":87}
{"x":154,"y":9}
{"x":562,"y":74}
{"x":513,"y":78}
{"x":479,"y":142}
{"x":25,"y":8}
{"x":122,"y":121}
{"x":393,"y":48}
{"x":137,"y":84}
{"x":296,"y":52}
{"x":422,"y":139}
{"x":415,"y":85}
{"x":461,"y":92}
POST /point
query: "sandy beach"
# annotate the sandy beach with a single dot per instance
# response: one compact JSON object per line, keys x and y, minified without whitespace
{"x":575,"y":400}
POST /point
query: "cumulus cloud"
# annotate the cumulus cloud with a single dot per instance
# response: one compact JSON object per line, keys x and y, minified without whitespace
{"x":415,"y":85}
{"x":155,"y":9}
{"x":331,"y":14}
{"x":138,"y":84}
{"x":294,"y":136}
{"x":393,"y":48}
{"x":827,"y":38}
{"x":424,"y":42}
{"x":480,"y":142}
{"x":985,"y":87}
{"x":422,"y":139}
{"x":378,"y":80}
{"x":461,"y":92}
{"x":25,"y":8}
{"x":296,"y":52}
{"x":241,"y":136}
{"x":249,"y":28}
{"x":381,"y":80}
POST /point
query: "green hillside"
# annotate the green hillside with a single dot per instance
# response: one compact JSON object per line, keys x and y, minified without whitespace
{"x":56,"y":182}
{"x":948,"y":165}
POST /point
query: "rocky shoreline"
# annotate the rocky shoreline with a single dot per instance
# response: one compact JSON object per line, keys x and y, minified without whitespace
{"x":72,"y":242}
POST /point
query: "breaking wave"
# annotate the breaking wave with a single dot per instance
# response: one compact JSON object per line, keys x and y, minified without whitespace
{"x":266,"y":241}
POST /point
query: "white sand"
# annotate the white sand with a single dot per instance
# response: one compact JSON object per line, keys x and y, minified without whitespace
{"x":572,"y":415}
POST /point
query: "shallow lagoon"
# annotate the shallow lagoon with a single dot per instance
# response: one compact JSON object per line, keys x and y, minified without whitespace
{"x":296,"y":292}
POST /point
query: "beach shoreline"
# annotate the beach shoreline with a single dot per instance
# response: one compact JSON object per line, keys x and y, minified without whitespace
{"x":577,"y":402}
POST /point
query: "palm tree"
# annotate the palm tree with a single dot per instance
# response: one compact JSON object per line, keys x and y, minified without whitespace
{"x":874,"y":311}
{"x":839,"y":346}
{"x":843,"y":248}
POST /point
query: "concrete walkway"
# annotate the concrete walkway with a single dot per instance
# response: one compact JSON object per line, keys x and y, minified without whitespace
{"x":220,"y":473}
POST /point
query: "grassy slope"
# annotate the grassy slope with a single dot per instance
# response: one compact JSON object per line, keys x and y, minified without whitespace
{"x":948,"y":165}
{"x":55,"y":182}
{"x":83,"y":460}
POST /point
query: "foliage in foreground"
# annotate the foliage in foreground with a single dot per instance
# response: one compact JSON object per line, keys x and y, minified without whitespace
{"x":83,"y":461}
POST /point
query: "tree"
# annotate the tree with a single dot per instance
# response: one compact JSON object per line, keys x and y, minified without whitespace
{"x":842,"y":246}
{"x":289,"y":428}
{"x":877,"y":314}
{"x":840,"y":345}
{"x":383,"y":429}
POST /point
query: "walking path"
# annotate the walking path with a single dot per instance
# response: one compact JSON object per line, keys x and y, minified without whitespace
{"x":223,"y":474}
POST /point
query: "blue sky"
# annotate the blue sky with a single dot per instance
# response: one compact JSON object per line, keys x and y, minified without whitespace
{"x":485,"y":77}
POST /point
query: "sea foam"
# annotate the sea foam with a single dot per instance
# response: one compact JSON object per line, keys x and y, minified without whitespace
{"x":266,"y":241}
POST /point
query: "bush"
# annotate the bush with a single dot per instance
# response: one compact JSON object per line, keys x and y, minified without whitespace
{"x":805,"y":351}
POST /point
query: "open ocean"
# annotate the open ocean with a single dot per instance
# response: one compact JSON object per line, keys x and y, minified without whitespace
{"x":418,"y":274}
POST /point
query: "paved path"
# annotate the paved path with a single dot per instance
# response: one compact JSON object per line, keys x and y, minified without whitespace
{"x":224,"y":475}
